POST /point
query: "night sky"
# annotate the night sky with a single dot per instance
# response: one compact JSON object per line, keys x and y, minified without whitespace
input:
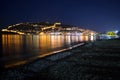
{"x":98,"y":15}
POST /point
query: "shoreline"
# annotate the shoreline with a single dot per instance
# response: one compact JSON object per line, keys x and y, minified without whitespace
{"x":90,"y":61}
{"x":41,"y":63}
{"x":42,"y":56}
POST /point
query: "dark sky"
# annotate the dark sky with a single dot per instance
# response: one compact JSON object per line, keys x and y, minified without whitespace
{"x":99,"y":15}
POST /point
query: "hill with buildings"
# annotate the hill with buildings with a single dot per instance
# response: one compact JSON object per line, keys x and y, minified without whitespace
{"x":45,"y":27}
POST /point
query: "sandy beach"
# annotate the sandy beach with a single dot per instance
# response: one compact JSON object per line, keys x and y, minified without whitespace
{"x":99,"y":60}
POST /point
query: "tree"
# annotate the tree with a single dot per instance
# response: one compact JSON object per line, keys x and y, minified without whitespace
{"x":111,"y":33}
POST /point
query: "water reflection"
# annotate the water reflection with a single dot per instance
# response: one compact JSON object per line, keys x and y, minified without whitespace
{"x":18,"y":49}
{"x":1,"y":55}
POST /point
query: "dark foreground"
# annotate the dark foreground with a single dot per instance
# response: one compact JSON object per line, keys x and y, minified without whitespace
{"x":94,"y":61}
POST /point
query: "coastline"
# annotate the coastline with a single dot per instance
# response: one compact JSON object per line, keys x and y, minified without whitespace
{"x":48,"y":54}
{"x":42,"y":60}
{"x":95,"y":60}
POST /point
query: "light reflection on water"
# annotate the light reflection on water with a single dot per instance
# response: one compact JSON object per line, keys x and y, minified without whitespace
{"x":18,"y":48}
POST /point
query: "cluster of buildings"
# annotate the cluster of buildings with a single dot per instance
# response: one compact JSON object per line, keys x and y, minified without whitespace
{"x":47,"y":28}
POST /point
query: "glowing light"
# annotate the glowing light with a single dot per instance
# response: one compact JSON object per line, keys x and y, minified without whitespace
{"x":91,"y":38}
{"x":4,"y":30}
{"x":20,"y":33}
{"x":116,"y":31}
{"x":9,"y":26}
{"x":92,"y":34}
{"x":41,"y":33}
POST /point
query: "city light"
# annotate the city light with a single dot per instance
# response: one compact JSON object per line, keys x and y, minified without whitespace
{"x":116,"y":31}
{"x":30,"y":28}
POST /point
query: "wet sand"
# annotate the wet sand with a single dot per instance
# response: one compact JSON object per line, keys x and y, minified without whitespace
{"x":99,"y":60}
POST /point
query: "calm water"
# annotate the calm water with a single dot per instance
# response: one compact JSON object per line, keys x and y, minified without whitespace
{"x":19,"y":49}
